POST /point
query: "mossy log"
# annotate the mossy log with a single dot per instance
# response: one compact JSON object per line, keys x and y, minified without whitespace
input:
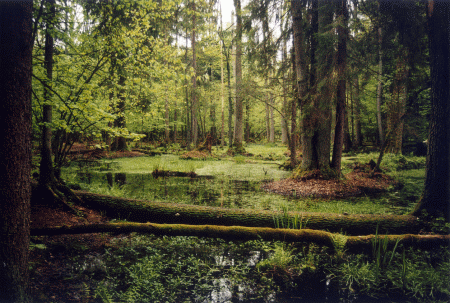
{"x":160,"y":212}
{"x":357,"y":244}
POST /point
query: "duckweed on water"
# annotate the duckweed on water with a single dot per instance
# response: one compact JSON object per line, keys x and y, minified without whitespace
{"x":189,"y":269}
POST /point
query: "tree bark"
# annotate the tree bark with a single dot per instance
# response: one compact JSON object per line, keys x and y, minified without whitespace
{"x":380,"y":86}
{"x":230,"y":103}
{"x":396,"y":106}
{"x":194,"y":109}
{"x":160,"y":212}
{"x":285,"y":109}
{"x":15,"y":148}
{"x":301,"y":80}
{"x":340,"y":106}
{"x":353,"y":244}
{"x":294,"y":105}
{"x":238,"y":121}
{"x":436,"y":195}
{"x":358,"y":135}
{"x":46,"y":172}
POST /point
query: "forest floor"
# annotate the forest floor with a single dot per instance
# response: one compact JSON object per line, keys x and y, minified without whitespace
{"x":355,"y":183}
{"x":50,"y":275}
{"x":50,"y":267}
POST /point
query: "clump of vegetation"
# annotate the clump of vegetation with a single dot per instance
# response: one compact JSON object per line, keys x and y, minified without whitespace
{"x":195,"y":155}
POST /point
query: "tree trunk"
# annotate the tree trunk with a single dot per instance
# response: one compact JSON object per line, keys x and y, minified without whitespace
{"x":238,"y":121}
{"x":358,"y":135}
{"x":356,"y":104}
{"x":354,"y":244}
{"x":397,"y":104}
{"x":161,"y":212}
{"x":230,"y":104}
{"x":347,"y":137}
{"x":15,"y":148}
{"x":285,"y":109}
{"x":340,"y":106}
{"x":300,"y":72}
{"x":436,"y":196}
{"x":380,"y":87}
{"x":325,"y":95}
{"x":222,"y":94}
{"x":316,"y":110}
{"x":294,"y":105}
{"x":194,"y":110}
{"x":271,"y":119}
{"x":247,"y":132}
{"x":46,"y":172}
{"x":166,"y":118}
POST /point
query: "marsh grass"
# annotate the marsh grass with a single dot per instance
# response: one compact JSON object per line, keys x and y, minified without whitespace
{"x":412,"y":275}
{"x":284,"y":220}
{"x":236,"y":184}
{"x":184,"y":269}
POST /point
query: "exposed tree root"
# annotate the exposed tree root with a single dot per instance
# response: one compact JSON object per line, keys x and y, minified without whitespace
{"x":56,"y":194}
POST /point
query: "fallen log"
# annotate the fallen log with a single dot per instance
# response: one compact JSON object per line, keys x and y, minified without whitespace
{"x":160,"y":212}
{"x":354,"y":244}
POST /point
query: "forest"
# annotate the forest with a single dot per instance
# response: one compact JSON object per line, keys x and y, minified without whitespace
{"x":225,"y":151}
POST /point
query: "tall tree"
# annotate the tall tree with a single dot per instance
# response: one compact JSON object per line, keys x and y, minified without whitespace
{"x":46,"y":166}
{"x":15,"y":148}
{"x":194,"y":102}
{"x":397,"y":103}
{"x":315,"y":108}
{"x":239,"y":117}
{"x":300,"y":70}
{"x":436,"y":195}
{"x":380,"y":83}
{"x":341,"y":66}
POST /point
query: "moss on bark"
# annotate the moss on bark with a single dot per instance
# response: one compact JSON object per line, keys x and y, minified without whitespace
{"x":160,"y":212}
{"x":354,"y":244}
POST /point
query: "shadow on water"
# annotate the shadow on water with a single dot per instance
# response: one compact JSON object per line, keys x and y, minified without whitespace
{"x":208,"y":191}
{"x":224,"y":192}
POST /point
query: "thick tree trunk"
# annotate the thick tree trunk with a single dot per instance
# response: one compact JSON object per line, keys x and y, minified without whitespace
{"x":436,"y":196}
{"x":15,"y":148}
{"x":354,"y":244}
{"x":325,"y":94}
{"x":316,"y":110}
{"x":340,"y":106}
{"x":160,"y":212}
{"x":301,"y":83}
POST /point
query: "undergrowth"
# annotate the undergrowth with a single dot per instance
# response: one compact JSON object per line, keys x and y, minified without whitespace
{"x":146,"y":268}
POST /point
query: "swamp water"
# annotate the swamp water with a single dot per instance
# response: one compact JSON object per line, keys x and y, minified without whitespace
{"x":219,"y":184}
